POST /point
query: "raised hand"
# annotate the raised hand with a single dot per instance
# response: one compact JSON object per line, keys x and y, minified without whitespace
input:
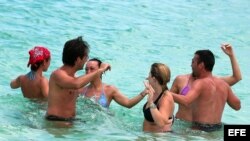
{"x":227,"y":49}
{"x":150,"y":91}
{"x":104,"y":67}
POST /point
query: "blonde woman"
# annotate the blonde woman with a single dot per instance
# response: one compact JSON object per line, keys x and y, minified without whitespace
{"x":159,"y":108}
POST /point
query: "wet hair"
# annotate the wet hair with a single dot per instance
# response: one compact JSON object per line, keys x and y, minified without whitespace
{"x":73,"y":49}
{"x":162,"y":74}
{"x":207,"y":57}
{"x":97,"y":60}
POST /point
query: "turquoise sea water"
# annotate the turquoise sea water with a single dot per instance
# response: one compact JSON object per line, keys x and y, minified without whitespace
{"x":130,"y":35}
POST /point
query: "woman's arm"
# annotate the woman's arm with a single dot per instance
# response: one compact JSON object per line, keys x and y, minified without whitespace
{"x":236,"y":76}
{"x":16,"y":83}
{"x":125,"y":101}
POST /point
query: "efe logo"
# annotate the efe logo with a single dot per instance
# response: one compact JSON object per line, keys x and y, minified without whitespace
{"x":236,"y":132}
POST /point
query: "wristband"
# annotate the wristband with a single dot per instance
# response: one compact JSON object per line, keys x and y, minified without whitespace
{"x":142,"y":95}
{"x":152,"y":106}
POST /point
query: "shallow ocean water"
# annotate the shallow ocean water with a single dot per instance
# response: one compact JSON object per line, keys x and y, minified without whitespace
{"x":130,"y":35}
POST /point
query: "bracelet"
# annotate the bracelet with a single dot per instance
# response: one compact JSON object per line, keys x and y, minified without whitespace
{"x":152,"y":106}
{"x":142,"y":95}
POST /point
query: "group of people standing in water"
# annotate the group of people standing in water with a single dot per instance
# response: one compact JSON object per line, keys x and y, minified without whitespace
{"x":198,"y":94}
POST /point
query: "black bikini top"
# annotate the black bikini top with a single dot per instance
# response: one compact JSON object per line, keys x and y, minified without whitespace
{"x":147,"y":113}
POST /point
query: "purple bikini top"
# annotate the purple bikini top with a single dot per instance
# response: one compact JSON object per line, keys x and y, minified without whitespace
{"x":185,"y":90}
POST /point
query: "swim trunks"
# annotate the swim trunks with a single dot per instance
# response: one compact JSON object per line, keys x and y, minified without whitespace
{"x":57,"y":118}
{"x":206,"y":127}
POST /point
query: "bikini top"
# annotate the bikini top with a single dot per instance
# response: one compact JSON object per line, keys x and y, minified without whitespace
{"x":102,"y":99}
{"x":185,"y":90}
{"x":147,"y":112}
{"x":31,"y":75}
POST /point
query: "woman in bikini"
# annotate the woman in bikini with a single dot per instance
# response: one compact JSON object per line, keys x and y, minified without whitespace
{"x":33,"y":84}
{"x":103,"y":93}
{"x":159,"y":108}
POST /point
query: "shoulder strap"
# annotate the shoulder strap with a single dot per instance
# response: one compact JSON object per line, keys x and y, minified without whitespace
{"x":85,"y":91}
{"x":189,"y":79}
{"x":156,"y":101}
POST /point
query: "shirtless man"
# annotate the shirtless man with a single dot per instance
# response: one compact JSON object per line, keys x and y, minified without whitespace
{"x":64,"y":85}
{"x":33,"y":84}
{"x":182,"y":83}
{"x":208,"y":94}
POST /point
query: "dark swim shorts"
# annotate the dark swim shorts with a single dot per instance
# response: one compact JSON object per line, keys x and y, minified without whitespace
{"x":206,"y":127}
{"x":57,"y":118}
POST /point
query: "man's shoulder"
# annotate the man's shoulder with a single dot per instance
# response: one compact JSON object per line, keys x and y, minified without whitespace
{"x":58,"y":71}
{"x":57,"y":74}
{"x":210,"y":82}
{"x":217,"y":78}
{"x":220,"y":81}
